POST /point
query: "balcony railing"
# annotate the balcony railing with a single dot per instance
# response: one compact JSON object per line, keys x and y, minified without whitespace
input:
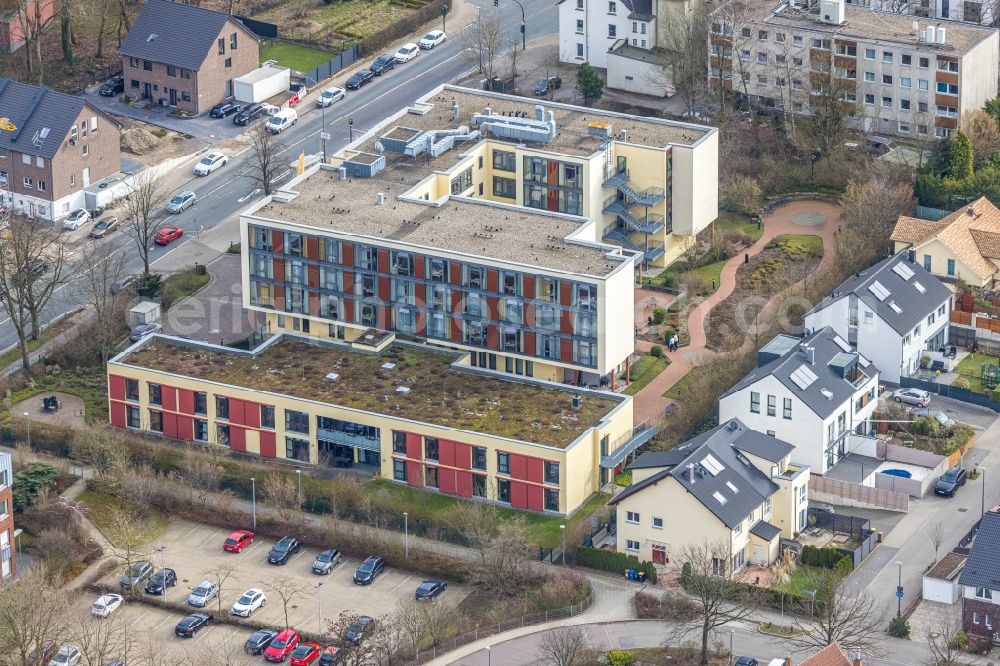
{"x":358,"y":441}
{"x":620,"y":181}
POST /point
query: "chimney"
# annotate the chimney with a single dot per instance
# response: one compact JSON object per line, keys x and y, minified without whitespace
{"x":929,"y":34}
{"x":539,"y":112}
{"x":342,"y":171}
{"x":577,"y":401}
{"x":624,"y":136}
{"x":970,"y":211}
{"x":788,"y":661}
{"x":811,"y":355}
{"x":911,"y":256}
{"x":916,"y":28}
{"x":454,"y":109}
{"x":941,"y":35}
{"x":691,"y":472}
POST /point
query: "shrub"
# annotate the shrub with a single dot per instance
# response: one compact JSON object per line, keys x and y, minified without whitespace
{"x":961,"y":383}
{"x":826,"y":557}
{"x":656,"y":351}
{"x":926,"y":426}
{"x":899,"y":627}
{"x":148,"y":286}
{"x":659,"y":316}
{"x":960,"y":640}
{"x":619,"y":658}
{"x":610,"y":560}
{"x":668,"y":606}
{"x":669,"y":280}
{"x":979,"y":645}
{"x":30,"y":481}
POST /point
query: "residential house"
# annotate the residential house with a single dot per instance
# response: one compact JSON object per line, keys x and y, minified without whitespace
{"x":831,"y":655}
{"x":729,"y":485}
{"x":962,"y":246}
{"x":8,"y":561}
{"x":980,"y":581}
{"x":816,"y":392}
{"x":20,"y":19}
{"x":185,"y":56}
{"x":60,"y":145}
{"x":895,"y":313}
{"x":896,"y":75}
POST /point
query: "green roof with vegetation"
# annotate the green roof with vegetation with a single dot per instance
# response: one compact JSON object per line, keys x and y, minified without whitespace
{"x":439,"y":393}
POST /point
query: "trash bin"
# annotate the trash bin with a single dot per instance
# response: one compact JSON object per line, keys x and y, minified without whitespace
{"x":641,"y":576}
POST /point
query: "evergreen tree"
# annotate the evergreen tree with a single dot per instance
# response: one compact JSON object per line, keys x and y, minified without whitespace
{"x":960,"y":164}
{"x":589,"y":84}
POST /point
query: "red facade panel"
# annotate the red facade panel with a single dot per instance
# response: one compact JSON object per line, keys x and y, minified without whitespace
{"x":456,"y":329}
{"x":463,"y":484}
{"x":279,"y":297}
{"x":447,"y":481}
{"x":185,"y":428}
{"x":421,"y":294}
{"x":566,"y":322}
{"x":237,"y":439}
{"x":414,"y":474}
{"x":278,"y":241}
{"x":251,"y":414}
{"x":414,"y":444}
{"x":168,"y":398}
{"x":383,"y":260}
{"x":312,"y":248}
{"x":116,"y":387}
{"x":463,"y":456}
{"x":169,"y":425}
{"x":185,"y":401}
{"x":518,"y":495}
{"x":348,"y":313}
{"x":418,"y":267}
{"x":313,"y":272}
{"x":529,"y":286}
{"x":456,"y":275}
{"x":456,"y":301}
{"x":348,"y":282}
{"x":493,"y":305}
{"x":117,"y":414}
{"x":536,"y":502}
{"x":237,"y":411}
{"x":566,"y":351}
{"x":446,"y":452}
{"x":565,"y":294}
{"x":535,"y":470}
{"x":529,"y":343}
{"x":347,"y":254}
{"x":268,"y":448}
{"x":518,"y":466}
{"x":492,"y":337}
{"x":492,"y":280}
{"x":383,"y":288}
{"x":279,"y":269}
{"x":313,"y":303}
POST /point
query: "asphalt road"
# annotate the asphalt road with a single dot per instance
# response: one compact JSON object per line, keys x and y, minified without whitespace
{"x":230,"y":189}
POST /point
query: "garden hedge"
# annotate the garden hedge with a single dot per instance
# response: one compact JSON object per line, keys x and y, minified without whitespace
{"x":611,"y":560}
{"x":825,"y":557}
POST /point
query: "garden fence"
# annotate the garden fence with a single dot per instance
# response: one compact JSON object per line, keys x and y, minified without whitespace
{"x":335,"y":64}
{"x":854,"y":494}
{"x":499,"y":628}
{"x":948,"y":391}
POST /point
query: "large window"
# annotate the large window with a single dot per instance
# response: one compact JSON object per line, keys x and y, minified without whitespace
{"x":504,"y":161}
{"x":551,"y":500}
{"x":155,"y":420}
{"x":297,"y":449}
{"x":437,"y":270}
{"x":132,"y":416}
{"x":221,"y":407}
{"x":771,"y":405}
{"x":505,"y":188}
{"x":131,"y":389}
{"x":479,"y":486}
{"x":462,"y":181}
{"x":503,"y":491}
{"x":754,"y":402}
{"x":431,"y":476}
{"x":430,"y":448}
{"x":551,"y":472}
{"x":200,"y":430}
{"x":478,"y":458}
{"x":266,"y":416}
{"x":200,"y":402}
{"x":503,"y":462}
{"x":552,"y":185}
{"x":398,"y":442}
{"x":296,"y":421}
{"x":155,"y":394}
{"x":399,"y":470}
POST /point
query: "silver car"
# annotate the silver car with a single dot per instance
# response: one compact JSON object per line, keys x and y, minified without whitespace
{"x":181,"y":202}
{"x":201,"y":595}
{"x":912,"y":396}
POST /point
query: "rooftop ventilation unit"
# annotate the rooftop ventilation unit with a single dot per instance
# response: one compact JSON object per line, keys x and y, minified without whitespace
{"x":540,"y":129}
{"x":364,"y":165}
{"x":387,"y":365}
{"x":332,"y":377}
{"x":403,"y":389}
{"x":597,"y":128}
{"x":831,"y":12}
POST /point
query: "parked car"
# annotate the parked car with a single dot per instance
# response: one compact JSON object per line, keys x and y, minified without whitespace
{"x":76,"y":219}
{"x":259,"y":641}
{"x":383,"y":64}
{"x":160,"y":581}
{"x":41,"y":656}
{"x":305,"y":654}
{"x":912,"y":396}
{"x":68,"y":655}
{"x":190,"y":625}
{"x":407,"y":52}
{"x":283,"y":550}
{"x":746,"y":661}
{"x":331,"y":656}
{"x":182,"y":202}
{"x":359,"y":629}
{"x":819,"y":506}
{"x":359,"y":79}
{"x":135,"y":576}
{"x":35,"y":268}
{"x":547,"y":85}
{"x":124,"y":283}
{"x":950,"y":481}
{"x":201,"y":595}
{"x":326,"y":561}
{"x":113,"y":86}
{"x":104,"y":227}
{"x":248,"y":602}
{"x":432,"y":39}
{"x":429,"y":590}
{"x":114,"y":661}
{"x":237,"y":541}
{"x":270,"y":109}
{"x":248,"y":113}
{"x":107,"y":604}
{"x":282,"y":120}
{"x":329,"y":96}
{"x":224,"y":109}
{"x":940,"y":417}
{"x":210,"y":163}
{"x":369,"y":570}
{"x":167,"y":235}
{"x":281,"y":646}
{"x":143,"y":330}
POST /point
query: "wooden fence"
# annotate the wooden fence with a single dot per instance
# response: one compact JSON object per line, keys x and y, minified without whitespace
{"x":844,"y":492}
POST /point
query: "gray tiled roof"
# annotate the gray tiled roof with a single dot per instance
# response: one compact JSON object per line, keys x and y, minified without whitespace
{"x":694,"y":471}
{"x":914,"y":306}
{"x":982,"y":569}
{"x":34,"y":109}
{"x":658,"y":459}
{"x":823,"y":341}
{"x":764,"y":530}
{"x":642,"y":10}
{"x":175,"y":34}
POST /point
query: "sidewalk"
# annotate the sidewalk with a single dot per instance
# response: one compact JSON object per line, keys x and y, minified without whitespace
{"x":650,"y":403}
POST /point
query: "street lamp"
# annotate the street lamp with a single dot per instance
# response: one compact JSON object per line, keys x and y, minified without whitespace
{"x":298,"y":475}
{"x":732,"y":632}
{"x":164,"y":595}
{"x":319,"y":610}
{"x":406,"y":535}
{"x":562,"y":530}
{"x":489,"y":656}
{"x":981,"y":469}
{"x":812,"y":604}
{"x":27,"y":423}
{"x":253,"y":500}
{"x":323,"y":135}
{"x":899,"y":589}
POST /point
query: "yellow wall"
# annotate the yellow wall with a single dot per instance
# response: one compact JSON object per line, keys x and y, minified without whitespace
{"x":940,"y":255}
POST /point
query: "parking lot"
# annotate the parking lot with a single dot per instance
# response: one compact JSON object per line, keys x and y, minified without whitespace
{"x":194,"y":551}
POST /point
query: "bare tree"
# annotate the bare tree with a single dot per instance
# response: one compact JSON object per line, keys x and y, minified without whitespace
{"x":287,"y":590}
{"x":202,"y":473}
{"x":875,"y":198}
{"x":945,"y":649}
{"x":221,"y":574}
{"x":126,"y":535}
{"x":503,"y":567}
{"x":935,"y":532}
{"x":564,"y":646}
{"x":279,"y":491}
{"x":743,"y":194}
{"x":685,"y":66}
{"x":719,"y":600}
{"x":142,"y":208}
{"x":983,"y":133}
{"x":103,"y":265}
{"x":265,"y":158}
{"x":103,"y":6}
{"x":32,"y":614}
{"x":107,"y":453}
{"x":834,"y":616}
{"x":32,"y":258}
{"x":483,"y":42}
{"x":830,"y":106}
{"x":31,"y":22}
{"x":99,"y":642}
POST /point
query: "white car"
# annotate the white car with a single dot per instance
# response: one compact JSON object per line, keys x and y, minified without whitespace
{"x":407,"y":52}
{"x":76,"y":219}
{"x":432,"y":39}
{"x":68,"y":655}
{"x":251,"y":600}
{"x":912,"y":396}
{"x":269,"y":109}
{"x":107,"y":604}
{"x":329,"y":96}
{"x":210,"y":163}
{"x":282,"y":121}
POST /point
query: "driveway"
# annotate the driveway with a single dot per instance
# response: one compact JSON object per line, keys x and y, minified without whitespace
{"x":201,"y":127}
{"x":215,"y":312}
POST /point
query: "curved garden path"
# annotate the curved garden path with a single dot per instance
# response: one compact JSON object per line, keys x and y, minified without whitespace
{"x":649,"y":403}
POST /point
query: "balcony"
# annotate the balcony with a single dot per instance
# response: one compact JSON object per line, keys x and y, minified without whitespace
{"x":649,"y":225}
{"x":627,"y":444}
{"x":651,"y":251}
{"x":364,"y":442}
{"x":648,"y":197}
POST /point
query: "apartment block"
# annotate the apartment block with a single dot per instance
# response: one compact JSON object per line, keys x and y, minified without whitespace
{"x":7,"y":550}
{"x":415,"y":414}
{"x":898,"y":75}
{"x":487,"y":224}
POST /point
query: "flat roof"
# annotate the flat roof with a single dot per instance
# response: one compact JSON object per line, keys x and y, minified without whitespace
{"x":265,"y":71}
{"x":495,"y":231}
{"x":440,"y":393}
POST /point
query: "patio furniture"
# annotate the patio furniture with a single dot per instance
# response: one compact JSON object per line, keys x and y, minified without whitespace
{"x":50,"y":403}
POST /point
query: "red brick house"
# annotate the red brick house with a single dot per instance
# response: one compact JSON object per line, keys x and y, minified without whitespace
{"x":185,"y":56}
{"x":980,"y":581}
{"x":18,"y":18}
{"x":7,"y":550}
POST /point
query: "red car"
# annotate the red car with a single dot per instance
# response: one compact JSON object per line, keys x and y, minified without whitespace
{"x":282,"y":646}
{"x":167,"y":234}
{"x":305,"y":654}
{"x":237,"y":541}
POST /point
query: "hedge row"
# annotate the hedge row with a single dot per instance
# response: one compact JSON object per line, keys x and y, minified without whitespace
{"x":611,"y":560}
{"x":825,"y":557}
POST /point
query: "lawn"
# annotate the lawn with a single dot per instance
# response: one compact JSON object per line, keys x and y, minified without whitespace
{"x":299,"y":58}
{"x":803,"y":578}
{"x":797,"y":246}
{"x":644,"y":371}
{"x":729,"y":221}
{"x":543,"y":530}
{"x":181,"y":285}
{"x":88,"y":383}
{"x":682,"y":388}
{"x":709,"y":274}
{"x":971,"y":366}
{"x":102,"y":507}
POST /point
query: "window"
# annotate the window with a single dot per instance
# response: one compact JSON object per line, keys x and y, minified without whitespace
{"x":886,"y":102}
{"x":201,"y":430}
{"x":505,"y":188}
{"x":41,"y":186}
{"x":132,"y":389}
{"x":266,"y":416}
{"x":887,"y":57}
{"x":906,"y":59}
{"x":431,"y":477}
{"x":905,"y":82}
{"x":869,"y":98}
{"x":232,"y":41}
{"x":479,"y":486}
{"x":941,"y":311}
{"x":28,"y":183}
{"x":430,"y":448}
{"x":870,"y":77}
{"x":823,"y":44}
{"x":923,"y":63}
{"x":771,"y":405}
{"x":761,"y":58}
{"x":947,"y":66}
{"x":171,"y":70}
{"x":222,"y":45}
{"x":186,"y":74}
{"x":786,"y":408}
{"x":657,"y":523}
{"x":155,"y":394}
{"x":754,"y":402}
{"x":503,"y":462}
{"x":132,"y":416}
{"x":951,"y":267}
{"x":147,"y":65}
{"x":612,"y":30}
{"x":869,"y":54}
{"x":86,"y":149}
{"x":504,"y":161}
{"x":297,"y":421}
{"x":155,"y":420}
{"x":3,"y":509}
{"x":797,"y":40}
{"x":40,"y":161}
{"x":200,"y":402}
{"x":398,"y":442}
{"x":133,"y":62}
{"x":632,"y":545}
{"x":478,"y":457}
{"x":947,"y":88}
{"x":579,"y":50}
{"x":984,"y":593}
{"x":229,"y":62}
{"x":922,"y":85}
{"x":462,"y":181}
{"x":551,"y":499}
{"x":503,"y":491}
{"x":579,"y":26}
{"x":399,"y":470}
{"x":904,"y":104}
{"x":612,"y":8}
{"x":551,"y":472}
{"x":887,"y":79}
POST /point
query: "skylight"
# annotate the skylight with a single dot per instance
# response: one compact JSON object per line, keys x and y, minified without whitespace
{"x":881,"y":293}
{"x":719,"y":497}
{"x":863,"y":362}
{"x":732,"y":486}
{"x":827,"y":394}
{"x":842,"y":343}
{"x":903,"y":271}
{"x":803,"y":377}
{"x":895,"y":308}
{"x":712,"y":465}
{"x":919,"y":287}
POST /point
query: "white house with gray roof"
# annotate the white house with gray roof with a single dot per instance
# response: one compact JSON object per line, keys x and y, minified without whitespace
{"x":816,"y":392}
{"x":894,"y":313}
{"x":729,"y":485}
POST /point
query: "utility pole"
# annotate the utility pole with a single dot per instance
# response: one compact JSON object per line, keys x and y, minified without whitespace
{"x":496,"y":3}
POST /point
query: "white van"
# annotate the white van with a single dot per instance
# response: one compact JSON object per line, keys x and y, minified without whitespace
{"x":282,"y":121}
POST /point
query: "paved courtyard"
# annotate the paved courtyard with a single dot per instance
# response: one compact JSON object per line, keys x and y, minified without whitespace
{"x":215,"y":313}
{"x":931,"y":617}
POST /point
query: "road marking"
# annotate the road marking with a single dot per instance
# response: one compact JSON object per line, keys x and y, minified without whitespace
{"x":184,"y":242}
{"x":203,"y":633}
{"x":343,"y":563}
{"x":211,"y":537}
{"x":400,"y":584}
{"x":144,"y":614}
{"x":252,"y":194}
{"x":378,"y":579}
{"x":162,"y":622}
{"x":188,"y":533}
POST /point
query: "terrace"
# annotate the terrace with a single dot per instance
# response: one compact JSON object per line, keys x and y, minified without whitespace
{"x":437,"y":391}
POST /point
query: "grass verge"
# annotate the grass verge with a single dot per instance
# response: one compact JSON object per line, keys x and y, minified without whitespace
{"x":729,"y":221}
{"x":87,"y":383}
{"x":181,"y":285}
{"x":47,"y":334}
{"x":103,"y":507}
{"x":644,"y":371}
{"x":299,"y":58}
{"x":798,"y":246}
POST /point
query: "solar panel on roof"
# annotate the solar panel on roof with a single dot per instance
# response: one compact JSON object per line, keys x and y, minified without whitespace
{"x":881,"y":293}
{"x":803,"y":377}
{"x":719,"y":497}
{"x":842,"y":343}
{"x":863,"y":361}
{"x":903,"y":271}
{"x":712,"y":465}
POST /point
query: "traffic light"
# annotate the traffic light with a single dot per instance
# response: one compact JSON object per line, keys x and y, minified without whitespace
{"x":444,"y":10}
{"x":522,"y":28}
{"x":496,"y":3}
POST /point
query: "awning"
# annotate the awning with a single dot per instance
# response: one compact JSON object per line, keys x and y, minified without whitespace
{"x":637,"y":439}
{"x":765,"y":530}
